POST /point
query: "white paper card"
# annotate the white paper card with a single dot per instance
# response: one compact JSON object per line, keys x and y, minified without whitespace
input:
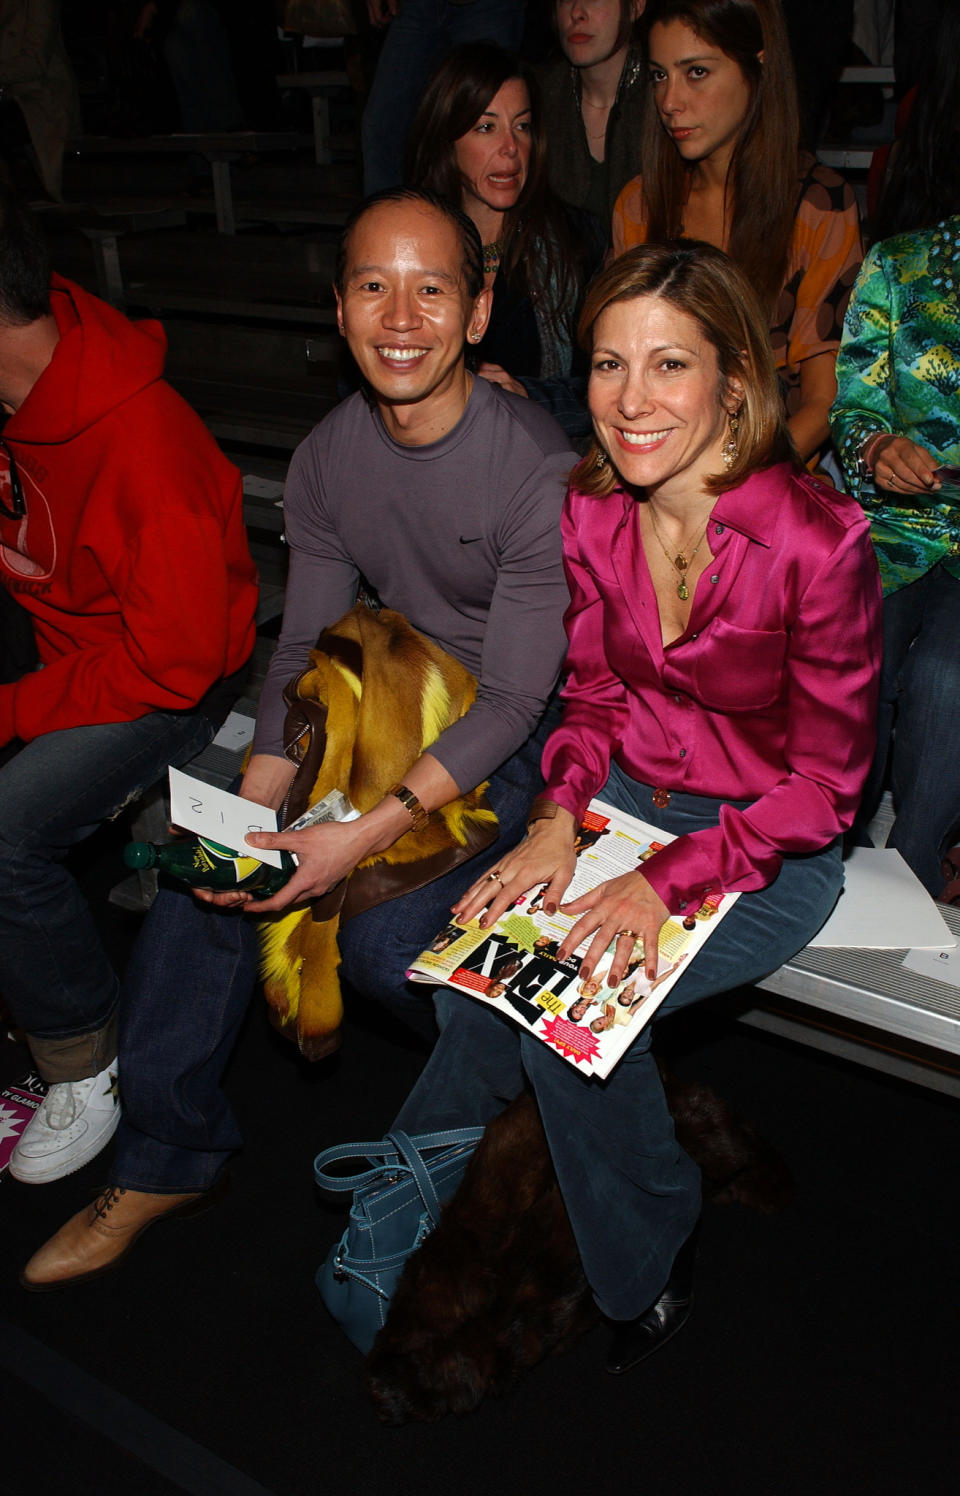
{"x":236,"y":732}
{"x":942,"y":964}
{"x":224,"y":818}
{"x":883,"y":907}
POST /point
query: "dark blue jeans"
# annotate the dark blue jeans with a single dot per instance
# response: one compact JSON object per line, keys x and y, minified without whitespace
{"x":190,"y":980}
{"x":632,"y":1194}
{"x":416,"y":40}
{"x":54,"y":793}
{"x":918,"y":721}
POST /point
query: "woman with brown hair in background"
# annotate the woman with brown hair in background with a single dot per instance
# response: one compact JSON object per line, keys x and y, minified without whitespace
{"x":722,"y":163}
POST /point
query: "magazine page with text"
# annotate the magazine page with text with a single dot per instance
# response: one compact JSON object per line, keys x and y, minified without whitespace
{"x":514,"y":966}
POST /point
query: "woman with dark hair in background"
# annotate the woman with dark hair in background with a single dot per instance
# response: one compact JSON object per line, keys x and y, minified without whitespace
{"x":721,"y":163}
{"x":896,"y":421}
{"x":478,"y":140}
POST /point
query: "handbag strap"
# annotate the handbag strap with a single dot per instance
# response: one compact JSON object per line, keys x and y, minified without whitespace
{"x":408,"y":1151}
{"x":385,"y":1154}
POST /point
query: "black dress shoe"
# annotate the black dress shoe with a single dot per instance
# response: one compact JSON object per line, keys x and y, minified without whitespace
{"x":636,"y":1339}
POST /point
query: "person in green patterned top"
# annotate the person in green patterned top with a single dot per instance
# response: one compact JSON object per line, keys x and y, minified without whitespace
{"x":896,"y":422}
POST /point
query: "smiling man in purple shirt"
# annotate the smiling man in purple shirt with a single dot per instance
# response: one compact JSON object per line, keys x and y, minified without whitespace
{"x":444,"y":493}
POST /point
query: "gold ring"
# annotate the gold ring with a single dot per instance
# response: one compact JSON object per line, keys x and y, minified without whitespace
{"x":494,"y":878}
{"x":631,"y":933}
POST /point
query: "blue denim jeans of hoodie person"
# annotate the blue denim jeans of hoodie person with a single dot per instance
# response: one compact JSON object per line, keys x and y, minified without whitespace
{"x":55,"y":792}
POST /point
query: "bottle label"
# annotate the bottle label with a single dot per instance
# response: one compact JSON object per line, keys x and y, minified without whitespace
{"x":211,"y":855}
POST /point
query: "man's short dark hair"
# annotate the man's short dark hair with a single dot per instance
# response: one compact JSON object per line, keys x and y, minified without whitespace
{"x":469,"y":237}
{"x":24,"y":264}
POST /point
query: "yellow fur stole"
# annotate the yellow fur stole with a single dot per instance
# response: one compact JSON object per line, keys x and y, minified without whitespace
{"x":375,"y":695}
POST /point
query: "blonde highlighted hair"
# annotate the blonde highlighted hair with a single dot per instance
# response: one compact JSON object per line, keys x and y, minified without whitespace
{"x":704,"y":283}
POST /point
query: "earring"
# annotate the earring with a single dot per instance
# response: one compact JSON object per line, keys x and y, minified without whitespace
{"x":601,"y":460}
{"x":730,"y":451}
{"x":475,"y":337}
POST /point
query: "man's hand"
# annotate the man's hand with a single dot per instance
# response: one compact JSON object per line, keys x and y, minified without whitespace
{"x":498,"y":375}
{"x":382,"y":12}
{"x":325,"y":854}
{"x":266,"y":781}
{"x":620,"y":911}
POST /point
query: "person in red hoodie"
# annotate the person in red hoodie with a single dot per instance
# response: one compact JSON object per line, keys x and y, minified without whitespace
{"x":122,"y":550}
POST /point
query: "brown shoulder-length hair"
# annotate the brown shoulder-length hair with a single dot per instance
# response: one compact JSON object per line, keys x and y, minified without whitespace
{"x":540,"y":250}
{"x":762,"y":184}
{"x":702,"y":281}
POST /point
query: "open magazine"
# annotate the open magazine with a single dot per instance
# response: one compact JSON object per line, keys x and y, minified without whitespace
{"x":514,"y":967}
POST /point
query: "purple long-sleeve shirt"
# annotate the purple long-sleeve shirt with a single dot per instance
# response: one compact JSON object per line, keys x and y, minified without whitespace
{"x":768,"y":695}
{"x":462,"y":536}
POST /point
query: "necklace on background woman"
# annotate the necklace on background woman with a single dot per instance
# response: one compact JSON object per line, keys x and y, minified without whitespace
{"x":492,"y":255}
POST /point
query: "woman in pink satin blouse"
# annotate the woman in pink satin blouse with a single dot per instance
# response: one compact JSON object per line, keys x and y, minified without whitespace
{"x":723,"y":655}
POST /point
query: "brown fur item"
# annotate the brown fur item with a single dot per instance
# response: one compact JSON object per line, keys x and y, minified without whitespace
{"x":493,"y":1290}
{"x":738,"y":1167}
{"x":499,"y":1285}
{"x":375,"y":695}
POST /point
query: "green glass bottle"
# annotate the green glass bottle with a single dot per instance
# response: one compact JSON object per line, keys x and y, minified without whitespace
{"x":205,"y":864}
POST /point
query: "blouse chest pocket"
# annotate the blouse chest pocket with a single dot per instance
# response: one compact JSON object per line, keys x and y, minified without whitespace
{"x":735,"y":669}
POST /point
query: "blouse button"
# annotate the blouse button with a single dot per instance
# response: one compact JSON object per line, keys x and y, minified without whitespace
{"x":719,"y":529}
{"x":694,"y":636}
{"x":715,"y":578}
{"x":683,"y":752}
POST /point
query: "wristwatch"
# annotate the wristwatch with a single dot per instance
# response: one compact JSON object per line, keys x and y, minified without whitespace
{"x":411,"y":805}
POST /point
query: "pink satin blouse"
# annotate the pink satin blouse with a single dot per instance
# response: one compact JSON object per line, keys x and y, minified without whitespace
{"x":769,"y":694}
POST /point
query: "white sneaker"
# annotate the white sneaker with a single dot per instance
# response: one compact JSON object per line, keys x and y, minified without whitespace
{"x":76,"y":1119}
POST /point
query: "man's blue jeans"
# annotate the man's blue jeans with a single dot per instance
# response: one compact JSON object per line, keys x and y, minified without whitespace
{"x":189,"y":983}
{"x":54,"y":793}
{"x":918,"y":721}
{"x":417,"y":39}
{"x":631,"y":1193}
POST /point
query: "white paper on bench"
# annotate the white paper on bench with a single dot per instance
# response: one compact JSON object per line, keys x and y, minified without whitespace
{"x":944,"y":965}
{"x":256,"y":487}
{"x":215,"y":813}
{"x":883,"y":907}
{"x":236,"y":732}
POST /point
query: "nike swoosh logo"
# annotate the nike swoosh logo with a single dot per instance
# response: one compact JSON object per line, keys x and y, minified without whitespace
{"x":470,"y":539}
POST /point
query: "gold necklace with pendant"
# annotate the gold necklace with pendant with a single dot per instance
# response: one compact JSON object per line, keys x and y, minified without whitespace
{"x":680,"y":561}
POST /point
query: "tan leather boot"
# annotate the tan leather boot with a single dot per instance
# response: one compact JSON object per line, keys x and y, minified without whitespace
{"x":99,"y":1237}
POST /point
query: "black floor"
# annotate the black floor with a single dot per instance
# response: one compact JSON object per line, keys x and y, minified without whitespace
{"x":820,"y":1360}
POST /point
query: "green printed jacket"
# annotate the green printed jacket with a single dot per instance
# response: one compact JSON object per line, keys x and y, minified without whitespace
{"x":898,"y":370}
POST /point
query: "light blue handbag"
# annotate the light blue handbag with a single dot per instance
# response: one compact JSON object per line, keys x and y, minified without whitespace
{"x":396,"y":1204}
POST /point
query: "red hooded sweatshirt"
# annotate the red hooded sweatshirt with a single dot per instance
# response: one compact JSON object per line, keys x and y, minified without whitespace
{"x":132,"y":558}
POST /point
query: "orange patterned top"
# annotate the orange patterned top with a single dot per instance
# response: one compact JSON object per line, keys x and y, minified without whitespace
{"x":824,"y":259}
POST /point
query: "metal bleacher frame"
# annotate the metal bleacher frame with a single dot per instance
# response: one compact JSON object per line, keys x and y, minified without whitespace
{"x":864,"y":1005}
